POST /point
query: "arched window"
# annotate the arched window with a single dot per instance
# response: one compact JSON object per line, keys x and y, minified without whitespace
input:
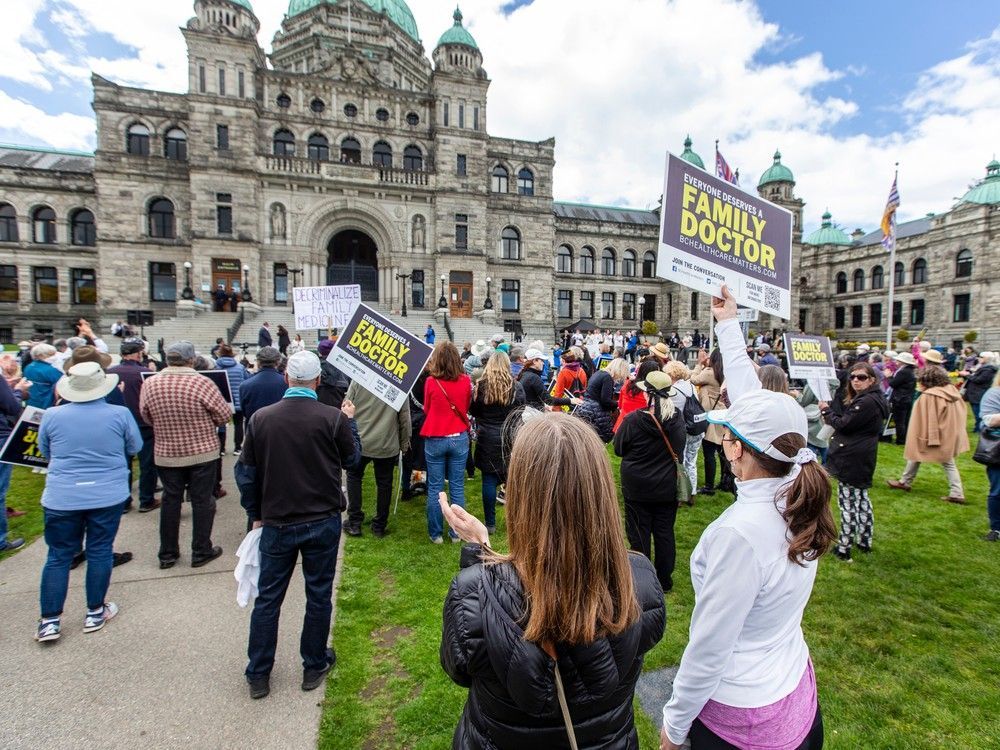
{"x":510,"y":244}
{"x":350,"y":151}
{"x":284,"y":143}
{"x":500,"y":182}
{"x":963,"y":264}
{"x":859,"y":280}
{"x":161,"y":219}
{"x":413,"y":159}
{"x":43,"y":225}
{"x":628,"y":263}
{"x":608,"y":261}
{"x":564,"y":259}
{"x":137,"y":140}
{"x":318,"y":147}
{"x":899,"y":275}
{"x":878,"y":277}
{"x":382,"y":154}
{"x":525,"y":182}
{"x":175,"y":145}
{"x":586,"y":259}
{"x":841,"y":283}
{"x":649,"y":265}
{"x":82,"y":229}
{"x":919,"y":272}
{"x":8,"y":223}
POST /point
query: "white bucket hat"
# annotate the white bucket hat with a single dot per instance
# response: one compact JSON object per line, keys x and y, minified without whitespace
{"x":761,"y":417}
{"x":86,"y":381}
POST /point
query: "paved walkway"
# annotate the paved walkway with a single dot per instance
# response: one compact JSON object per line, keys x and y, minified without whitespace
{"x":168,"y":671}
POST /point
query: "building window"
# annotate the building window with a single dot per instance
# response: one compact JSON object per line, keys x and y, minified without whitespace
{"x":460,"y":165}
{"x":84,"y":286}
{"x":628,"y":306}
{"x":510,"y":244}
{"x":8,"y":283}
{"x":475,"y":118}
{"x":445,"y":113}
{"x":857,"y":316}
{"x":897,"y":313}
{"x":222,"y":137}
{"x":284,"y":143}
{"x":838,"y":317}
{"x":564,"y":259}
{"x":224,"y":213}
{"x":162,"y":282}
{"x":161,"y":219}
{"x":137,"y":140}
{"x":461,"y":115}
{"x":222,"y":81}
{"x":859,"y":280}
{"x":350,"y":151}
{"x":461,"y":232}
{"x":413,"y":159}
{"x":318,"y":147}
{"x":46,"y":285}
{"x":417,"y":289}
{"x":241,"y":83}
{"x":916,"y":312}
{"x":382,"y":154}
{"x":694,"y":305}
{"x":919,"y":271}
{"x":878,"y":277}
{"x":82,"y":229}
{"x":841,"y":283}
{"x":284,"y":101}
{"x":648,"y":265}
{"x":350,"y":110}
{"x":586,"y":259}
{"x":525,"y":182}
{"x":564,"y":303}
{"x":963,"y":304}
{"x":899,"y":275}
{"x":317,"y":105}
{"x":608,"y":261}
{"x":8,"y":223}
{"x":175,"y":145}
{"x":280,"y":283}
{"x":510,"y":295}
{"x":628,"y":263}
{"x":587,"y":305}
{"x":875,"y":314}
{"x":412,"y":119}
{"x":963,"y":264}
{"x":382,"y":114}
{"x":43,"y":226}
{"x":201,"y":79}
{"x":608,"y":305}
{"x":500,"y":181}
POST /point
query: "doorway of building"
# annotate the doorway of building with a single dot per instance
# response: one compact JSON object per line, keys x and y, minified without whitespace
{"x":226,"y":273}
{"x":352,"y":258}
{"x":460,"y":294}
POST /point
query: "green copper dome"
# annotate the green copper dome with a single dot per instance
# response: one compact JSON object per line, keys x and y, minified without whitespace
{"x":243,"y":4}
{"x":690,"y":156}
{"x":986,"y":192}
{"x":397,"y":11}
{"x":827,"y":234}
{"x":777,"y":172}
{"x":458,"y":34}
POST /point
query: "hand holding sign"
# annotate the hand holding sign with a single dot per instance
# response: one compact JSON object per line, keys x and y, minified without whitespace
{"x":347,"y":407}
{"x":724,"y":308}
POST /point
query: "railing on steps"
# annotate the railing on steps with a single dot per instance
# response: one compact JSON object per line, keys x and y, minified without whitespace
{"x":447,"y":327}
{"x":235,"y":327}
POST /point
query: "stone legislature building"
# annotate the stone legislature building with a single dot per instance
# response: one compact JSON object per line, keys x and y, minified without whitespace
{"x":349,"y":157}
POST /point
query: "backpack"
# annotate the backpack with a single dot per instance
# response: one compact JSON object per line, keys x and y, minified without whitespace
{"x":695,"y":418}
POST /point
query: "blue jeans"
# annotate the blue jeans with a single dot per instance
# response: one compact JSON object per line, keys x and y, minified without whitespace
{"x":993,"y":502}
{"x":318,"y":541}
{"x":975,"y":415}
{"x":65,"y":531}
{"x":820,"y":452}
{"x":490,"y":482}
{"x":446,"y":457}
{"x":5,"y":472}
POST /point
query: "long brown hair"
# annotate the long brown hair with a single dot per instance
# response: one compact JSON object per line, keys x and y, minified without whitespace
{"x":445,"y":362}
{"x":496,"y":384}
{"x":807,"y":500}
{"x":773,"y":378}
{"x":868,"y":370}
{"x":565,"y":534}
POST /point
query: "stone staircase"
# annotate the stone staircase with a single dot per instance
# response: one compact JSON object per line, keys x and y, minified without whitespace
{"x":201,"y":330}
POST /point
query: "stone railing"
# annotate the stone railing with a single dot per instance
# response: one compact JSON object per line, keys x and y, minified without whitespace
{"x":348,"y":170}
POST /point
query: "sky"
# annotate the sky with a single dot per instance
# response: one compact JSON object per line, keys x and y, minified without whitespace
{"x":845,"y":90}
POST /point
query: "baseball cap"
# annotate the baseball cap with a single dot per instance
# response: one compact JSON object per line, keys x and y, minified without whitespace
{"x":303,"y":366}
{"x":496,"y":338}
{"x":183,"y":349}
{"x":131,"y":346}
{"x":268,"y":355}
{"x":760,"y":417}
{"x":324,"y":347}
{"x":533,"y":354}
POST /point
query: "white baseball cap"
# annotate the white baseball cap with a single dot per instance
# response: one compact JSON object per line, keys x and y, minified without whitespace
{"x":533,"y":354}
{"x":303,"y":366}
{"x":760,"y":417}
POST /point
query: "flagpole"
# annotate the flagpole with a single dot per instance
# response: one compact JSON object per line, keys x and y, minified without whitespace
{"x":892,"y":273}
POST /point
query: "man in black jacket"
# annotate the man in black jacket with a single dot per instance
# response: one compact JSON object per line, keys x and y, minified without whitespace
{"x":904,"y":386}
{"x":289,"y":474}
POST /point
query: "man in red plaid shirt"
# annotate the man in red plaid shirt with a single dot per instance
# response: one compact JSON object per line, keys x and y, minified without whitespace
{"x":185,"y":409}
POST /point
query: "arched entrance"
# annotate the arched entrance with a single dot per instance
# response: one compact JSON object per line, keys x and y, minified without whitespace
{"x":352,"y":259}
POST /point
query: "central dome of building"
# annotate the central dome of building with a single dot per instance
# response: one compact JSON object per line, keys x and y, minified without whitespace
{"x":397,"y":11}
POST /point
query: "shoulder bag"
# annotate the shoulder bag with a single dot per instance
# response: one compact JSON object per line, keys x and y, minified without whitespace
{"x":684,"y":489}
{"x":459,"y":414}
{"x":988,"y":449}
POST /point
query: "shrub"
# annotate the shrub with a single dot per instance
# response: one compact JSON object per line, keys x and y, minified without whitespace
{"x":902,"y":335}
{"x":649,"y":328}
{"x":971,"y":336}
{"x":830,"y":333}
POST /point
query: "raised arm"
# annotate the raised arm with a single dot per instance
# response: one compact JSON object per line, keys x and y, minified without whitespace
{"x":741,"y":372}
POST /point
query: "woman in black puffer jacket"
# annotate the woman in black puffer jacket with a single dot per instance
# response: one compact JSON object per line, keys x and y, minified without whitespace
{"x":567,"y":597}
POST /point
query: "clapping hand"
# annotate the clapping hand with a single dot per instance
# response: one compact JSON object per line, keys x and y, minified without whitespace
{"x":467,"y":526}
{"x":724,"y":308}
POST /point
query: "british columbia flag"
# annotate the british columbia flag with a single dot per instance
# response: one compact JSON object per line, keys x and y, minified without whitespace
{"x":722,"y":169}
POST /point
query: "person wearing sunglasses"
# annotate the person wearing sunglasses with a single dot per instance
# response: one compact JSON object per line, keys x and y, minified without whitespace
{"x":858,"y":417}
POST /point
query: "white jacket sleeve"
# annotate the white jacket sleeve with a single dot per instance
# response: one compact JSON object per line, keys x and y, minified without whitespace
{"x":732,"y":581}
{"x":741,"y":375}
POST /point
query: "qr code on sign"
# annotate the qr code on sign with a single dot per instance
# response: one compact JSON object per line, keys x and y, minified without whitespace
{"x":772,"y":298}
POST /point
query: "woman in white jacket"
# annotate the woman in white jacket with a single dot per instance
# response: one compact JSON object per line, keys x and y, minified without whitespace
{"x":746,"y":680}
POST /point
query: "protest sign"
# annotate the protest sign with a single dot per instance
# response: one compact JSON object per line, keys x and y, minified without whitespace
{"x":382,"y":357}
{"x":712,"y":233}
{"x":809,"y":357}
{"x":21,"y":446}
{"x":747,"y":315}
{"x":324,"y":307}
{"x":216,"y":376}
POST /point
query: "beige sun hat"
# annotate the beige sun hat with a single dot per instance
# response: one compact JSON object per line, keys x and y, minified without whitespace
{"x":934,"y":357}
{"x":906,"y":358}
{"x":86,"y":381}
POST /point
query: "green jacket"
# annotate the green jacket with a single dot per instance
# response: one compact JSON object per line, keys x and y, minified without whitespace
{"x":384,"y":431}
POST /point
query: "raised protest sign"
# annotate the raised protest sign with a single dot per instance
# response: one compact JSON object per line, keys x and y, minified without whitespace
{"x":747,"y":315}
{"x":382,"y":357}
{"x":324,"y":307}
{"x":216,"y":376}
{"x":712,"y":233}
{"x":21,"y":446}
{"x":809,"y":357}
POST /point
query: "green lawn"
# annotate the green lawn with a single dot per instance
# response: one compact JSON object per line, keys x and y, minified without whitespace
{"x":906,"y":641}
{"x":25,"y":494}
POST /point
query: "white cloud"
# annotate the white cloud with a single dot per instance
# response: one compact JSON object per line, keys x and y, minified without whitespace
{"x":22,"y":122}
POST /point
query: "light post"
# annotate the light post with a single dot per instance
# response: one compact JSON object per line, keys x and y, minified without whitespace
{"x":443,"y":301}
{"x":295,"y":276}
{"x":642,"y":310}
{"x":403,"y":277}
{"x":247,"y":297}
{"x":187,"y":292}
{"x":488,"y":304}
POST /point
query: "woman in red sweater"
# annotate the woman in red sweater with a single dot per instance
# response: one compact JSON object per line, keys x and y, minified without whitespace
{"x":631,"y":398}
{"x":447,"y":395}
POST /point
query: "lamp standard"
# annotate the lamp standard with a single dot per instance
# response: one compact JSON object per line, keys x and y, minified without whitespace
{"x":247,"y":297}
{"x":488,"y":304}
{"x":642,"y":310}
{"x":187,"y":292}
{"x":443,"y":301}
{"x":295,"y":276}
{"x":403,"y":277}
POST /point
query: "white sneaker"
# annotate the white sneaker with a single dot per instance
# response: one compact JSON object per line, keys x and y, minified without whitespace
{"x":437,"y":540}
{"x":96,"y":621}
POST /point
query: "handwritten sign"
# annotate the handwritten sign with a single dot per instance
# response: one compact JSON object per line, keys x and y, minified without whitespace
{"x":21,"y":446}
{"x":324,"y":307}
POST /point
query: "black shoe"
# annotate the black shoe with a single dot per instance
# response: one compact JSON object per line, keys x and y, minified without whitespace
{"x":151,"y":506}
{"x":198,"y":562}
{"x":127,"y":508}
{"x":260,"y":687}
{"x":78,"y":559}
{"x":164,"y":564}
{"x":379,"y":533}
{"x":992,"y":536}
{"x":120,"y":558}
{"x":313,"y":678}
{"x":16,"y":543}
{"x":352,"y":530}
{"x":866,"y":550}
{"x":706,"y":490}
{"x":405,"y":496}
{"x":845,"y":556}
